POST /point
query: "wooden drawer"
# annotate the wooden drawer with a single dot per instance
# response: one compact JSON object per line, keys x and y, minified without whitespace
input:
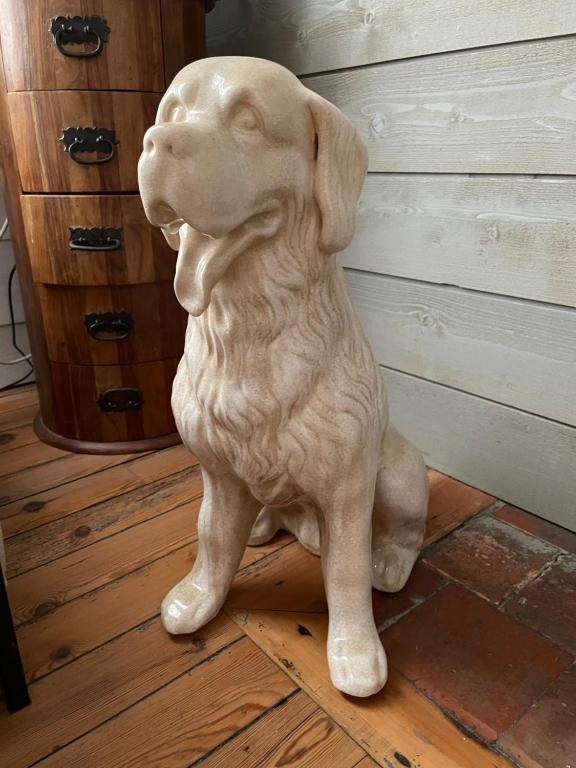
{"x":142,"y":256}
{"x":112,"y":325}
{"x":80,"y":410}
{"x":39,"y":119}
{"x":130,"y":59}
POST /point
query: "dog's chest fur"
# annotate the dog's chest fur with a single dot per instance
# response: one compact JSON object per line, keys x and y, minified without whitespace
{"x":265,"y":374}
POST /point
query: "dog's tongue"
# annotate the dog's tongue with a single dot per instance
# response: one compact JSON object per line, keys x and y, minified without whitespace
{"x":203,"y":260}
{"x":193,"y":282}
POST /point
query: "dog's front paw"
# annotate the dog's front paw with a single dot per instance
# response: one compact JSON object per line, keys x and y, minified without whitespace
{"x":186,"y":608}
{"x":357,"y":663}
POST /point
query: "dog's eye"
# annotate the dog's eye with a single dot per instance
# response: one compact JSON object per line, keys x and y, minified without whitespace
{"x":246,"y":118}
{"x":176,"y":113}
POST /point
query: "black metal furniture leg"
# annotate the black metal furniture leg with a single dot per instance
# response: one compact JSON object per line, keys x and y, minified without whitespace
{"x":11,"y":670}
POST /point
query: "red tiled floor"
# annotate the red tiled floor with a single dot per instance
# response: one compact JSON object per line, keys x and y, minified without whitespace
{"x":549,"y":532}
{"x":422,"y":583}
{"x":471,"y":659}
{"x":490,"y":557}
{"x":548,"y":604}
{"x":546,"y":736}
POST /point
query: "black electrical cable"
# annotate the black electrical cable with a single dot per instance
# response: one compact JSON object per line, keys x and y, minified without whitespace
{"x":14,"y":339}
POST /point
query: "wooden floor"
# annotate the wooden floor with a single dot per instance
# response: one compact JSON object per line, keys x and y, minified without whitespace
{"x":92,"y":545}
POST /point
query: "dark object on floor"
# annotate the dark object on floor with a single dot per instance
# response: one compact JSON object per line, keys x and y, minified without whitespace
{"x":11,"y":671}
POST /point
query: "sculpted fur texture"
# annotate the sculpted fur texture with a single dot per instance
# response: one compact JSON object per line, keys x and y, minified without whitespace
{"x":254,"y":180}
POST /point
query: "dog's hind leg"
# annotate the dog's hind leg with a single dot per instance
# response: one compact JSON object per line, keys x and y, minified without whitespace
{"x":226,"y":517}
{"x":299,"y":519}
{"x":400,"y":511}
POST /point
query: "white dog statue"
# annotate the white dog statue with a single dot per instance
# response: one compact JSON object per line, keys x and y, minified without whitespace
{"x":254,"y":179}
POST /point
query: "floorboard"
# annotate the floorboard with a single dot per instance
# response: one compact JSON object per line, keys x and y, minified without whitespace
{"x":94,"y":543}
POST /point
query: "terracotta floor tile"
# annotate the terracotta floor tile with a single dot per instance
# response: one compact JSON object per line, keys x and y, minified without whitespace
{"x":546,"y":736}
{"x":473,"y":660}
{"x":538,"y":527}
{"x":548,"y":604}
{"x":490,"y":557}
{"x":422,"y":583}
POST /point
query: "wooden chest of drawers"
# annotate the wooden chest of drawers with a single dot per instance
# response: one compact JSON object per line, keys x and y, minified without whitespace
{"x":82,"y":82}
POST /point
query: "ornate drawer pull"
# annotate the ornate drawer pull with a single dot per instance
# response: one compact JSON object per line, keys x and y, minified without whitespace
{"x":78,"y":140}
{"x":109,"y":326}
{"x":94,"y":239}
{"x":120,"y":399}
{"x":79,"y":29}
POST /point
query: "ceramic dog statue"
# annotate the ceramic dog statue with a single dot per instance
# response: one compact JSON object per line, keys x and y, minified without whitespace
{"x":254,"y":179}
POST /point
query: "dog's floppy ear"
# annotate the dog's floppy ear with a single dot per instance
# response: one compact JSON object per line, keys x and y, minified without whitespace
{"x":341,"y":165}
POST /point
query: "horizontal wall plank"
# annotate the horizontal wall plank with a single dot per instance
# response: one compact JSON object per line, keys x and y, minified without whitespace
{"x":514,"y":352}
{"x":503,"y":234}
{"x":315,"y":35}
{"x":523,"y":459}
{"x":510,"y":109}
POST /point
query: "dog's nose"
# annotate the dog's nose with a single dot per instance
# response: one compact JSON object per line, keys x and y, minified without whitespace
{"x":169,"y":139}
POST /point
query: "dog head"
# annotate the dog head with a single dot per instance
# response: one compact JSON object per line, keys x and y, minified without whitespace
{"x":235,"y":140}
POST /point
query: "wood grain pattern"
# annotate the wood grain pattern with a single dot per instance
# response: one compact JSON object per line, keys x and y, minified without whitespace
{"x":52,"y":504}
{"x":19,"y":398}
{"x":18,"y":417}
{"x":191,"y":715}
{"x":16,"y":437}
{"x":249,"y":747}
{"x":77,"y":414}
{"x":71,"y":533}
{"x":43,"y":589}
{"x":30,"y":455}
{"x":510,"y":351}
{"x":510,"y":109}
{"x":183,"y":33}
{"x":39,"y":118}
{"x":159,"y":323}
{"x":78,"y":627}
{"x":12,"y":192}
{"x":34,"y":480}
{"x":317,"y":741}
{"x":526,"y":460}
{"x":99,"y":686}
{"x":398,"y":720}
{"x":103,"y":668}
{"x":502,"y":234}
{"x":314,"y":36}
{"x":144,"y":255}
{"x":131,"y":59}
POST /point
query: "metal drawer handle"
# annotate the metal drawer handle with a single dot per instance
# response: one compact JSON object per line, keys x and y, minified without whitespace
{"x":109,"y":326}
{"x":120,"y":399}
{"x":95,"y":239}
{"x":79,"y":29}
{"x":78,"y":140}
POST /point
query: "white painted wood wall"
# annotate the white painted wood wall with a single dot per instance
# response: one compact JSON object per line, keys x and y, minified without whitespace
{"x":463,"y":269}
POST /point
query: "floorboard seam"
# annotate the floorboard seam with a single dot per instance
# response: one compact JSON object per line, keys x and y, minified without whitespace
{"x":143,"y":698}
{"x":249,"y":725}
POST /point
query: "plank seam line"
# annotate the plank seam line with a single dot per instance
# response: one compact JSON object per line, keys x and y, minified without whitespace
{"x":148,"y":619}
{"x":437,"y":54}
{"x":249,"y":725}
{"x":92,"y":506}
{"x":479,"y":175}
{"x":129,"y":461}
{"x":66,"y":482}
{"x":143,"y":698}
{"x":474,"y":396}
{"x":105,"y":538}
{"x":455,"y":288}
{"x":101,"y":502}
